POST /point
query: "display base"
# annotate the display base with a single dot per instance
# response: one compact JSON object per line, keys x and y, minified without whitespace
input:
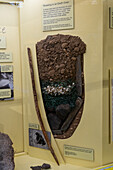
{"x":25,"y":162}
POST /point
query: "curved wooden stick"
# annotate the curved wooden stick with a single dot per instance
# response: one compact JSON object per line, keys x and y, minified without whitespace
{"x":37,"y":108}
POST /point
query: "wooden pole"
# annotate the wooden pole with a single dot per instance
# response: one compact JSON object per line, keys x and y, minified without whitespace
{"x":37,"y":108}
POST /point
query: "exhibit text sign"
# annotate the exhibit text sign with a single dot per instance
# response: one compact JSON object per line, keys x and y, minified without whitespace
{"x":6,"y":82}
{"x":5,"y":93}
{"x":33,"y":126}
{"x":78,"y":152}
{"x":6,"y":68}
{"x":57,"y":15}
{"x":6,"y":57}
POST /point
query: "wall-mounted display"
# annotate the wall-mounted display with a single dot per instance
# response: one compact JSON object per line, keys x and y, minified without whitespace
{"x":58,"y":15}
{"x":60,"y":65}
{"x":2,"y":42}
{"x":36,"y":138}
{"x":6,"y":57}
{"x":6,"y":82}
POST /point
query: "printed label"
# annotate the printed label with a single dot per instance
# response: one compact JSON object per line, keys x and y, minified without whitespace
{"x":58,"y":15}
{"x":33,"y":126}
{"x":5,"y":93}
{"x":6,"y":68}
{"x":78,"y":152}
{"x":6,"y":57}
{"x":2,"y":42}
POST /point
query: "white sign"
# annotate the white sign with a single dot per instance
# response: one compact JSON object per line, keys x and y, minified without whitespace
{"x":6,"y":57}
{"x":2,"y":42}
{"x":33,"y":126}
{"x":58,"y":15}
{"x":78,"y":152}
{"x":5,"y":93}
{"x":6,"y":68}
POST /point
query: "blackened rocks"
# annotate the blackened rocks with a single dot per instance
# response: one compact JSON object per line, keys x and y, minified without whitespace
{"x":62,"y":111}
{"x":46,"y":166}
{"x":54,"y":121}
{"x":36,"y":167}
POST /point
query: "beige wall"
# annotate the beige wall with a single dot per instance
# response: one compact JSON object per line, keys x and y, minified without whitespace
{"x":89,"y":26}
{"x":108,"y":65}
{"x":11,"y":121}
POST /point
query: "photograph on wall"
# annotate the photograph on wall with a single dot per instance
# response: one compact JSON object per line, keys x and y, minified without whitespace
{"x":36,"y":138}
{"x":6,"y":82}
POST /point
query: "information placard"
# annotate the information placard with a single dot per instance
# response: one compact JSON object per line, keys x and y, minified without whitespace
{"x":5,"y":93}
{"x":6,"y":57}
{"x":58,"y":15}
{"x":2,"y":42}
{"x":79,"y":152}
{"x":6,"y":82}
{"x":34,"y":126}
{"x":6,"y":68}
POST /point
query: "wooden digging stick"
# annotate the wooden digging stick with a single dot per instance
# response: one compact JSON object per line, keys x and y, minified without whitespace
{"x":37,"y":108}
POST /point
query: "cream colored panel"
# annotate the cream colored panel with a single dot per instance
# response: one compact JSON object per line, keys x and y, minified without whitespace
{"x":108,"y":65}
{"x":11,"y":121}
{"x":88,"y":25}
{"x":29,"y":105}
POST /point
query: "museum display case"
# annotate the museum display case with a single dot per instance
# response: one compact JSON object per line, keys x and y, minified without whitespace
{"x":56,"y":83}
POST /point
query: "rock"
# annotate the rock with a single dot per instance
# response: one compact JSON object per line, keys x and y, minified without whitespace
{"x":1,"y":157}
{"x":6,"y":153}
{"x":62,"y":71}
{"x":76,"y":49}
{"x":64,"y":45}
{"x":54,"y":121}
{"x":36,"y":167}
{"x":46,"y":166}
{"x":2,"y":165}
{"x":51,"y":73}
{"x":62,"y":65}
{"x":46,"y":59}
{"x":62,"y":111}
{"x":74,"y":58}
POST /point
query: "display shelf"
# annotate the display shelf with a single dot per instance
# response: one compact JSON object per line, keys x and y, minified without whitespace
{"x":25,"y":161}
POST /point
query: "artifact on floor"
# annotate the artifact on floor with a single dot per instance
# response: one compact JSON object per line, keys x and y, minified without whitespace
{"x":44,"y":166}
